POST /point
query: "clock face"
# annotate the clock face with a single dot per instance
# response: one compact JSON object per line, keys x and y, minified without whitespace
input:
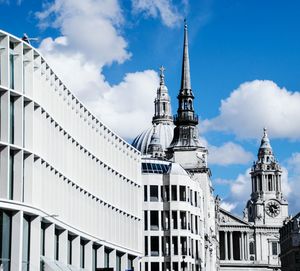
{"x":273,"y":208}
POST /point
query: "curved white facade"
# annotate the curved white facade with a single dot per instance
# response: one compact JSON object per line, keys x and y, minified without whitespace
{"x":70,"y":188}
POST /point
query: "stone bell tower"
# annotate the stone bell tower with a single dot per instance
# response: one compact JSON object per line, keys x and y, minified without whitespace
{"x":267,"y":205}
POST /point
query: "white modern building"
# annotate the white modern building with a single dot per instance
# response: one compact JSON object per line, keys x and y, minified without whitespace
{"x":70,"y":188}
{"x":179,"y":206}
{"x":252,"y":242}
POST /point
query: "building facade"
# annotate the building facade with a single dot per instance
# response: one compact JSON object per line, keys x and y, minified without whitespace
{"x":252,"y":243}
{"x":179,"y":206}
{"x":70,"y":188}
{"x":290,"y":244}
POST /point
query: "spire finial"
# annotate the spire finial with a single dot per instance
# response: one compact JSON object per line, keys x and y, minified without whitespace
{"x":185,"y":76}
{"x":162,"y":76}
{"x":265,"y":132}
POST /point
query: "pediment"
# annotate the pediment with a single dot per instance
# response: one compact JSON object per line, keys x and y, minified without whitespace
{"x":227,"y":218}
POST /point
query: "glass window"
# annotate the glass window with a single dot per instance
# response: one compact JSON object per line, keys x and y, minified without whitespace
{"x":5,"y":239}
{"x":145,"y":220}
{"x":118,"y":262}
{"x":106,"y":258}
{"x":154,"y":220}
{"x":146,"y":245}
{"x":251,"y":247}
{"x":70,"y":240}
{"x":174,"y":219}
{"x":153,"y":193}
{"x":82,"y":253}
{"x":12,"y":69}
{"x":94,"y":260}
{"x":12,"y":120}
{"x":274,"y":248}
{"x":174,"y":192}
{"x":56,"y":244}
{"x":182,"y":193}
{"x":145,"y":193}
{"x":11,"y":175}
{"x":26,"y":243}
{"x":154,"y":246}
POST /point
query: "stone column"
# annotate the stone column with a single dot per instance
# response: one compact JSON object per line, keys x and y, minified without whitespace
{"x":226,"y":245}
{"x":231,"y":244}
{"x":242,"y":246}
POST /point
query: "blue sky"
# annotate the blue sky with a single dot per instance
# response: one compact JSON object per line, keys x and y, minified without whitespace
{"x":230,"y":42}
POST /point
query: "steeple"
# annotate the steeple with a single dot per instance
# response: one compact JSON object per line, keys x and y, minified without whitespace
{"x":185,"y":74}
{"x":267,"y":203}
{"x":162,"y":111}
{"x":185,"y":133}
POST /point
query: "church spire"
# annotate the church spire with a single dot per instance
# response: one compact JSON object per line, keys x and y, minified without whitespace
{"x":185,"y":75}
{"x":185,"y":132}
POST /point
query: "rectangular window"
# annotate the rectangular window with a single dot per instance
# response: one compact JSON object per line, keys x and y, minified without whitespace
{"x":146,"y":245}
{"x":43,"y":230}
{"x":145,"y":220}
{"x":154,"y":220}
{"x":175,"y":245}
{"x":195,"y":198}
{"x":145,"y":193}
{"x":174,"y":192}
{"x":106,"y":257}
{"x":155,"y":266}
{"x":12,"y":66}
{"x":174,"y":219}
{"x":11,"y":175}
{"x":183,"y":244}
{"x":12,"y":120}
{"x":70,"y":240}
{"x":153,"y":193}
{"x":274,"y":249}
{"x":82,"y":253}
{"x":5,"y":237}
{"x":118,"y":262}
{"x":183,"y":220}
{"x":56,"y":244}
{"x":182,"y":193}
{"x":154,"y":246}
{"x":26,"y":243}
{"x":94,"y":260}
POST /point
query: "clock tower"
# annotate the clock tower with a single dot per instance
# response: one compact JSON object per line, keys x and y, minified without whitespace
{"x":267,"y":205}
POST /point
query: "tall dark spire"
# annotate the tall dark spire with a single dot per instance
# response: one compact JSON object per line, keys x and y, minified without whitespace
{"x":185,"y":132}
{"x":185,"y":75}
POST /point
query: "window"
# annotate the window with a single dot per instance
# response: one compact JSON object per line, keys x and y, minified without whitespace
{"x":12,"y":65}
{"x":183,"y":245}
{"x":145,"y":220}
{"x":153,"y":193}
{"x":174,"y":192}
{"x":146,"y":246}
{"x":82,"y":253}
{"x":155,"y":266}
{"x":251,"y":248}
{"x":70,"y":240}
{"x":274,"y":249}
{"x":5,"y":239}
{"x":26,"y":243}
{"x":154,"y":246}
{"x":56,"y":244}
{"x":106,"y":257}
{"x":118,"y":262}
{"x":11,"y":175}
{"x":154,"y":220}
{"x":145,"y":193}
{"x":183,"y":220}
{"x":165,"y":218}
{"x":12,"y":120}
{"x":270,"y":182}
{"x":174,"y":219}
{"x":43,"y":230}
{"x":182,"y":193}
{"x":94,"y":260}
{"x":175,"y":245}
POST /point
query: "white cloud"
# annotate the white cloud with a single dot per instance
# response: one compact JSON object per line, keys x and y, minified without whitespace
{"x":90,"y":39}
{"x":228,"y":154}
{"x":163,"y":8}
{"x":254,"y":105}
{"x":228,"y":206}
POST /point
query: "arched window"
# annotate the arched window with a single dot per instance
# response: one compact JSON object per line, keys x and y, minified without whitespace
{"x":251,"y":248}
